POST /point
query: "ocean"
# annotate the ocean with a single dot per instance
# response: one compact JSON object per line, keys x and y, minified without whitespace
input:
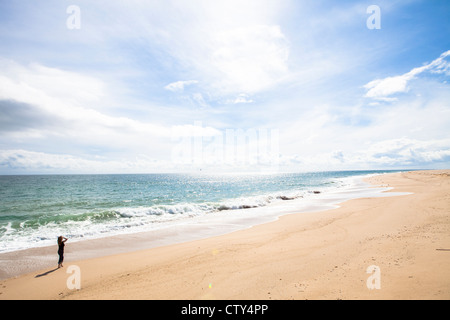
{"x":36,"y":209}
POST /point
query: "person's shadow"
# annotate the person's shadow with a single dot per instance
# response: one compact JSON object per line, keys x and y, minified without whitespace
{"x":46,"y":273}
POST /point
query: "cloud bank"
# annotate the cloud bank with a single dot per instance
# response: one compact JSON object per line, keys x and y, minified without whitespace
{"x":383,"y":89}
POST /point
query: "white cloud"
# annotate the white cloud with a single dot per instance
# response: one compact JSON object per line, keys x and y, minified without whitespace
{"x":250,"y":58}
{"x":408,"y":133}
{"x":390,"y":153}
{"x":178,"y":86}
{"x":241,"y":98}
{"x":229,"y":47}
{"x":17,"y":160}
{"x":382,"y":89}
{"x":60,"y":110}
{"x":67,"y":96}
{"x":198,"y":98}
{"x":405,"y":151}
{"x":38,"y":83}
{"x":195,"y":130}
{"x":237,"y":52}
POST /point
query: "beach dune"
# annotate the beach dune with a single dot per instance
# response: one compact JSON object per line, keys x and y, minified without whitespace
{"x":394,"y":247}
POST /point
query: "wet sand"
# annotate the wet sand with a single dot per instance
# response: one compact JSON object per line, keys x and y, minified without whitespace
{"x":312,"y":255}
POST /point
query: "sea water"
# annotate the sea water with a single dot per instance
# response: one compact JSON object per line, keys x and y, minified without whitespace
{"x":36,"y":209}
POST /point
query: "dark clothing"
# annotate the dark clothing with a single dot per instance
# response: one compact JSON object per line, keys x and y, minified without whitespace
{"x":61,"y":253}
{"x":61,"y":257}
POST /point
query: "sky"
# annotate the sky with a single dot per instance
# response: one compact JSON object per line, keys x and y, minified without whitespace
{"x":223,"y":86}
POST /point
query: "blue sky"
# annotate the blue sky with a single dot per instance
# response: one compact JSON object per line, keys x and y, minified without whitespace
{"x":168,"y":86}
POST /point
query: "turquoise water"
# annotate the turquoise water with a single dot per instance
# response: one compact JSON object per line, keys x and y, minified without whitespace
{"x":34,"y":210}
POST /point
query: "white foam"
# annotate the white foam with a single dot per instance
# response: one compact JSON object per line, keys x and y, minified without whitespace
{"x":219,"y":217}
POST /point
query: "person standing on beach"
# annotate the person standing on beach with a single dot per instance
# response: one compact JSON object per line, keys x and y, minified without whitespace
{"x":61,"y":244}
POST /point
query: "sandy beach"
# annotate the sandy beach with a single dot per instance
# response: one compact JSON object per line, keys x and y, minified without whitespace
{"x":317,"y":255}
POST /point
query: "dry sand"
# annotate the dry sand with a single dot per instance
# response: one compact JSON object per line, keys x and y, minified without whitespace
{"x":320,"y":255}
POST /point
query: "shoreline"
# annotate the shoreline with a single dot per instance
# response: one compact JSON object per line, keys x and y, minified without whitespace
{"x":20,"y":262}
{"x":313,"y":255}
